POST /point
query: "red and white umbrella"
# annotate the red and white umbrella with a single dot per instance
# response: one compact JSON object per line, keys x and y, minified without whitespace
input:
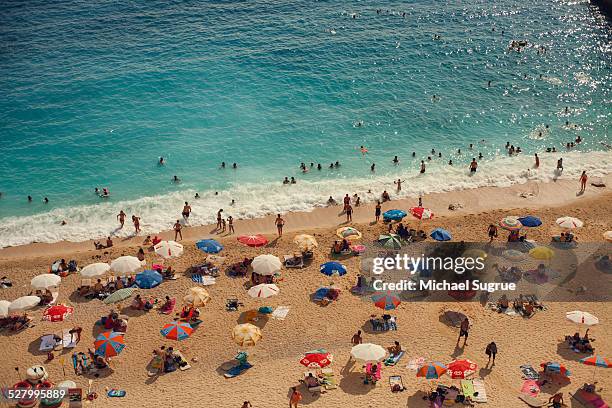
{"x":57,"y":313}
{"x":569,"y":222}
{"x":421,"y":213}
{"x":317,"y":359}
{"x":461,"y":368}
{"x":253,"y":240}
{"x":264,"y":290}
{"x":168,"y":249}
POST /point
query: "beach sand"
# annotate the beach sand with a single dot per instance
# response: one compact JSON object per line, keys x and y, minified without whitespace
{"x":309,"y":326}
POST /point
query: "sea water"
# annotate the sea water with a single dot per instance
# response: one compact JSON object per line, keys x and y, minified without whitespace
{"x":93,"y":93}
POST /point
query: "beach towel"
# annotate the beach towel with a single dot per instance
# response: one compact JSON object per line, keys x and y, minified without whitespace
{"x":378,"y":374}
{"x":479,"y":387}
{"x":532,"y":401}
{"x":329,"y":379}
{"x":530,"y":387}
{"x":467,"y":386}
{"x":203,"y":280}
{"x":415,"y":363}
{"x":67,"y":339}
{"x":237,"y":370}
{"x":529,"y":373}
{"x":47,"y":342}
{"x":170,"y":308}
{"x":396,"y":384}
{"x":115,"y":393}
{"x":589,"y":399}
{"x":181,"y":361}
{"x":393,"y":360}
{"x":280,"y":313}
{"x":437,"y":403}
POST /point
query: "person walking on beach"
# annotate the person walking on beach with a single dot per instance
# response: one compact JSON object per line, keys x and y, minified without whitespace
{"x":219,"y":218}
{"x":230,"y":224}
{"x":377,"y":211}
{"x":279,"y":224}
{"x":121,"y":217}
{"x":492,"y":231}
{"x":583,"y":181}
{"x":186,"y":210}
{"x":177,"y":230}
{"x":491,"y":351}
{"x":463,"y":331}
{"x":537,"y":161}
{"x":295,"y":398}
{"x":136,"y":221}
{"x":398,"y":183}
{"x":349,"y":213}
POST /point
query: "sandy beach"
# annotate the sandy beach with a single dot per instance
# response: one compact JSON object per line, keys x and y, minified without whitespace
{"x":308,"y":326}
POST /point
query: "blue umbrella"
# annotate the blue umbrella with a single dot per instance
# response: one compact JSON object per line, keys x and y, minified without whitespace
{"x":210,"y":246}
{"x":530,"y":221}
{"x":333,"y":268}
{"x":148,"y":279}
{"x":393,"y":215}
{"x":440,"y":234}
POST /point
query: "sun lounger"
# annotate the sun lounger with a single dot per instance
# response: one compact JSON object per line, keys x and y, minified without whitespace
{"x":393,"y":360}
{"x":48,"y":343}
{"x":290,"y":262}
{"x":589,"y":399}
{"x":237,"y":370}
{"x":396,"y":384}
{"x":67,"y":339}
{"x":480,"y":391}
{"x":280,"y":313}
{"x":532,"y":401}
{"x":529,"y":373}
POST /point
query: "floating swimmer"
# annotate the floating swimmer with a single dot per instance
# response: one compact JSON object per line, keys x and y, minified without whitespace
{"x":363,"y":150}
{"x":161,"y":161}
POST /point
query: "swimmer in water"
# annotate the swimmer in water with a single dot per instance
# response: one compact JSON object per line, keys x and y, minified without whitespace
{"x":440,"y":154}
{"x":331,"y":165}
{"x":337,"y":164}
{"x":398,"y":183}
{"x":121,"y":217}
{"x":29,"y":199}
{"x":97,"y":191}
{"x":293,"y":180}
{"x":450,"y":162}
{"x":234,"y":166}
{"x":395,"y":160}
{"x":46,"y":200}
{"x":489,"y":84}
{"x":186,"y":211}
{"x":473,"y":165}
{"x":479,"y":155}
{"x":363,"y":150}
{"x":413,"y":154}
{"x":176,"y":180}
{"x":222,"y":165}
{"x":197,"y":195}
{"x":422,"y":166}
{"x":233,"y":202}
{"x":161,"y":161}
{"x":458,"y":151}
{"x":372,"y":167}
{"x":286,"y":180}
{"x":319,"y":166}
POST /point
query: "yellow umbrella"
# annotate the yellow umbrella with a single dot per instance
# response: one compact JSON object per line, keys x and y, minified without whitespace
{"x":305,"y":242}
{"x":246,"y":334}
{"x":541,"y":252}
{"x":197,"y":297}
{"x":348,"y":233}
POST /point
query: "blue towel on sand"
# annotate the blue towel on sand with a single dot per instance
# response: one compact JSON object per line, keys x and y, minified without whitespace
{"x":237,"y":370}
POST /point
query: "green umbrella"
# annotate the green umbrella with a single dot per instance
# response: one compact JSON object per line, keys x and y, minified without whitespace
{"x":119,"y":295}
{"x":392,"y":241}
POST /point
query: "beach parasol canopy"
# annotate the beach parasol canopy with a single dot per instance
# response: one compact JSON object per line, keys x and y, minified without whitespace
{"x":386,"y":301}
{"x":394,"y":215}
{"x":542,"y":253}
{"x":197,"y":297}
{"x":513,"y":255}
{"x":4,"y":308}
{"x":530,"y":221}
{"x":253,"y":240}
{"x":305,"y":242}
{"x":109,"y":344}
{"x":585,"y":318}
{"x":461,"y":368}
{"x":57,"y":313}
{"x":431,"y":371}
{"x":264,"y":290}
{"x":246,"y":334}
{"x":23,"y":303}
{"x":125,"y":265}
{"x":608,"y":236}
{"x":95,"y":269}
{"x":440,"y":234}
{"x":333,"y":268}
{"x":569,"y":222}
{"x":317,"y":359}
{"x":421,"y":213}
{"x":119,"y":295}
{"x":596,"y":361}
{"x":177,"y":330}
{"x":168,"y":249}
{"x":210,"y":246}
{"x":510,"y":223}
{"x":348,"y":233}
{"x":391,"y":241}
{"x":46,"y":280}
{"x":266,"y":265}
{"x":148,"y":279}
{"x":554,"y":367}
{"x":368,"y":352}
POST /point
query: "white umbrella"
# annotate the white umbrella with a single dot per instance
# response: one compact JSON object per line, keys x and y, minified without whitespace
{"x":4,"y":308}
{"x":168,"y":249}
{"x":46,"y":280}
{"x":569,"y":222}
{"x":608,"y":236}
{"x":513,"y":255}
{"x":265,"y":290}
{"x":266,"y":264}
{"x":125,"y":264}
{"x":368,"y":352}
{"x":24,"y":303}
{"x":95,"y":269}
{"x":582,"y":317}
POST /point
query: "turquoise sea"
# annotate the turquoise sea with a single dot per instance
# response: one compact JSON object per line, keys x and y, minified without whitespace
{"x":93,"y":93}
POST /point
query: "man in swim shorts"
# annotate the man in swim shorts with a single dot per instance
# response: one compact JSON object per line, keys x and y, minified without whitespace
{"x":186,"y":210}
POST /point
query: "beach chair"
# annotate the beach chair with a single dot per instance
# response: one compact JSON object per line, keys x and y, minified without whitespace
{"x":396,"y":384}
{"x":590,"y":400}
{"x":67,"y":339}
{"x":480,"y":392}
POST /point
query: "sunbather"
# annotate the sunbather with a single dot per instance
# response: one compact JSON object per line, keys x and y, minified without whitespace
{"x":395,"y":349}
{"x":21,"y":322}
{"x":311,"y":381}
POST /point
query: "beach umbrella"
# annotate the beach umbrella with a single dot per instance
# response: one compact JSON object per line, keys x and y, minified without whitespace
{"x":125,"y":265}
{"x":176,"y":330}
{"x":542,"y":253}
{"x":554,"y":367}
{"x":391,"y":241}
{"x":196,"y":297}
{"x":95,"y":269}
{"x":148,"y":279}
{"x":513,"y":255}
{"x":421,"y":213}
{"x":57,"y":313}
{"x":569,"y":222}
{"x":530,"y":221}
{"x":333,"y":268}
{"x":461,"y":368}
{"x":510,"y":223}
{"x":608,"y":236}
{"x":46,"y":280}
{"x":394,"y":215}
{"x":4,"y":308}
{"x":431,"y":371}
{"x":266,"y":265}
{"x":168,"y":249}
{"x":305,"y":242}
{"x":440,"y":234}
{"x":348,"y":233}
{"x":253,"y":240}
{"x":264,"y":290}
{"x":317,"y":359}
{"x":585,"y":318}
{"x":246,"y":334}
{"x":386,"y":301}
{"x":109,"y":344}
{"x":119,"y":295}
{"x":23,"y":303}
{"x":596,"y":361}
{"x":368,"y":352}
{"x":210,"y":246}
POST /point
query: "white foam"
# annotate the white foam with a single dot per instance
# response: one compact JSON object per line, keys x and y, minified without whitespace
{"x":255,"y":200}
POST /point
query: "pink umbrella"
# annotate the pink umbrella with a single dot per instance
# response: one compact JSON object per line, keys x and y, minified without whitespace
{"x":253,"y":240}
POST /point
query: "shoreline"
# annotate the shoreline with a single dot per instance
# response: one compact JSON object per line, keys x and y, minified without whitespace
{"x":473,"y":200}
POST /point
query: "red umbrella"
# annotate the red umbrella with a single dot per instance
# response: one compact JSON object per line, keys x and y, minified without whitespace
{"x":317,"y":360}
{"x":253,"y":240}
{"x":461,"y":368}
{"x":57,"y":313}
{"x":421,"y":213}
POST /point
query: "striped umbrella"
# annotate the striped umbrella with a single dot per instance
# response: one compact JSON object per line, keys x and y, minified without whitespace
{"x":176,"y":330}
{"x":253,"y":240}
{"x":461,"y":368}
{"x":210,"y":246}
{"x":431,"y":371}
{"x":109,"y":344}
{"x":596,"y":361}
{"x":333,"y":268}
{"x":510,"y":223}
{"x":569,"y":222}
{"x":57,"y":313}
{"x":317,"y":359}
{"x":305,"y":242}
{"x":391,"y":241}
{"x":348,"y":233}
{"x":246,"y":334}
{"x":264,"y":290}
{"x":168,"y":249}
{"x":421,"y":213}
{"x":386,"y":301}
{"x":197,"y":296}
{"x":119,"y":295}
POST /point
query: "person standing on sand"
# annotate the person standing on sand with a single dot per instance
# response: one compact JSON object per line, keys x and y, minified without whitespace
{"x":219,"y":218}
{"x":492,"y":231}
{"x":347,"y":202}
{"x":583,"y":181}
{"x":356,"y":339}
{"x":230,"y":223}
{"x":491,"y":351}
{"x":279,"y":224}
{"x":463,"y":331}
{"x":136,"y":221}
{"x":186,"y":210}
{"x":537,"y":161}
{"x":349,"y":213}
{"x":121,"y":217}
{"x":177,"y":230}
{"x":377,"y":211}
{"x":295,"y":398}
